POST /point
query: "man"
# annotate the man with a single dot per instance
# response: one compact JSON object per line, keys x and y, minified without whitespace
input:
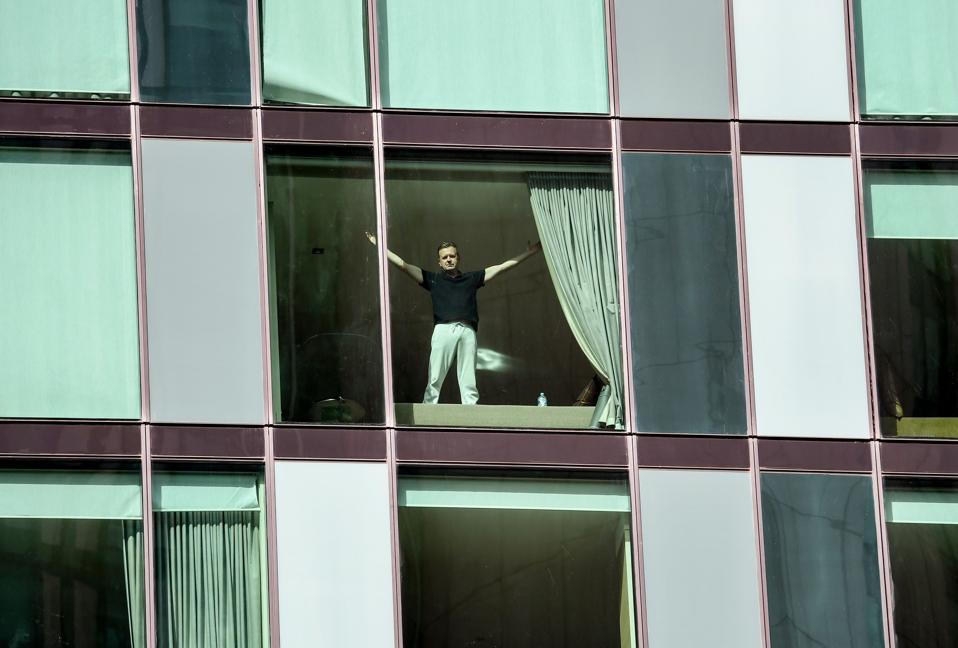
{"x":455,"y":314}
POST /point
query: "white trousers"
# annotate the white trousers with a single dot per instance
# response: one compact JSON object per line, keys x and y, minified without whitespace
{"x":448,"y":340}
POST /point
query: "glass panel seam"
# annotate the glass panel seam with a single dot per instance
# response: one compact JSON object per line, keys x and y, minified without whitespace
{"x":146,"y":486}
{"x":865,"y":283}
{"x":755,"y":474}
{"x":393,"y":484}
{"x":730,"y":54}
{"x":638,"y":557}
{"x":884,"y":559}
{"x":742,"y":259}
{"x":272,"y":547}
{"x":261,"y":233}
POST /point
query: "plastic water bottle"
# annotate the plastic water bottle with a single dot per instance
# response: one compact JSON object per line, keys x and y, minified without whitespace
{"x":542,"y":401}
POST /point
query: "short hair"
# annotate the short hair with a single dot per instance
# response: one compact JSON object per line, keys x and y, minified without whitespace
{"x":446,"y":244}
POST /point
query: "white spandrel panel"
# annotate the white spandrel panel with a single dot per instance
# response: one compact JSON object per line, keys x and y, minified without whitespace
{"x":334,"y":547}
{"x":701,"y":559}
{"x":791,"y":60}
{"x":805,"y":303}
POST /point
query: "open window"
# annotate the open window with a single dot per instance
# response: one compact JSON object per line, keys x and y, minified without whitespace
{"x":71,"y":558}
{"x":545,"y":330}
{"x":517,"y":559}
{"x":324,"y":285}
{"x":922,"y":522}
{"x":913,"y":268}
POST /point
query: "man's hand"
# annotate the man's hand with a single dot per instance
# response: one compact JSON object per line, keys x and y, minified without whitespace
{"x":414,"y":272}
{"x":496,"y":270}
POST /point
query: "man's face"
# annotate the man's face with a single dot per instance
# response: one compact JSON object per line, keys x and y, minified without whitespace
{"x":448,"y":258}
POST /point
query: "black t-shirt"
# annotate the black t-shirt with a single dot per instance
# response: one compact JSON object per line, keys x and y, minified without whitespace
{"x":454,"y":297}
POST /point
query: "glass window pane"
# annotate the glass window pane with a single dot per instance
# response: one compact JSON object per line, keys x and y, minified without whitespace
{"x":210,"y":559}
{"x":480,"y":570}
{"x":69,"y":334}
{"x":50,"y":48}
{"x":203,"y":282}
{"x":808,"y":349}
{"x":324,"y":282}
{"x":535,"y":55}
{"x":922,"y":523}
{"x":701,"y":555}
{"x":547,"y":330}
{"x":71,"y":577}
{"x":672,"y":59}
{"x":791,"y":60}
{"x":314,"y":52}
{"x":913,"y":266}
{"x":193,"y":51}
{"x":334,"y":554}
{"x":907,"y":54}
{"x":683,"y":293}
{"x":821,"y":560}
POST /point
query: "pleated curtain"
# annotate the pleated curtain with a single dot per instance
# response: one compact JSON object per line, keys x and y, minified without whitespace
{"x":133,"y":569}
{"x":208,"y":579}
{"x":576,"y":221}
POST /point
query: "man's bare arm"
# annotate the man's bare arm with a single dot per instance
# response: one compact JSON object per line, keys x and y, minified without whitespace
{"x":495,"y":270}
{"x":414,"y":272}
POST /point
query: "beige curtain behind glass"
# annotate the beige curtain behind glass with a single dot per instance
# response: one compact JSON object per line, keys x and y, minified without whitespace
{"x":576,"y":221}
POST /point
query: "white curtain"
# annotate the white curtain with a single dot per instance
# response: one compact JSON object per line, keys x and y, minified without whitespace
{"x":576,"y":221}
{"x":208,"y":579}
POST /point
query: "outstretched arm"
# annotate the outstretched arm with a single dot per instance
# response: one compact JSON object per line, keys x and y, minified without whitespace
{"x":495,"y":270}
{"x":414,"y":272}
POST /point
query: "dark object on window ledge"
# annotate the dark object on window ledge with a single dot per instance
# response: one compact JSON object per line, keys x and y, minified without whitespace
{"x":590,"y":393}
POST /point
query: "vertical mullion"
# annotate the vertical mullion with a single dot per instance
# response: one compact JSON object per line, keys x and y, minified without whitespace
{"x":730,"y":53}
{"x":372,"y":30}
{"x":755,"y":474}
{"x":261,"y":233}
{"x":133,"y":53}
{"x":392,"y":467}
{"x":865,"y":282}
{"x":136,"y":159}
{"x":255,"y":76}
{"x":851,"y":53}
{"x":638,"y":557}
{"x":146,"y":488}
{"x":272,"y":548}
{"x":381,"y":228}
{"x":738,"y":199}
{"x":884,"y":558}
{"x":625,"y":325}
{"x":612,"y":64}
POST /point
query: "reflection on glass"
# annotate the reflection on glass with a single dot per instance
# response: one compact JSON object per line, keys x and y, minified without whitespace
{"x":922,"y":517}
{"x":193,"y":51}
{"x":71,"y":559}
{"x":821,"y":561}
{"x":913,"y":267}
{"x":64,"y":50}
{"x":907,"y":56}
{"x":521,"y":327}
{"x":314,"y":52}
{"x":68,"y":246}
{"x":537,"y":561}
{"x":534,"y":55}
{"x":210,"y":565}
{"x":683,"y":293}
{"x":327,"y":353}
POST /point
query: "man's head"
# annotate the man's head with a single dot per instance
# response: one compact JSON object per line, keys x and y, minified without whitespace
{"x":448,"y":255}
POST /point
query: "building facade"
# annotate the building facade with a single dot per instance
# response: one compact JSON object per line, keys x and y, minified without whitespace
{"x":719,"y":409}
